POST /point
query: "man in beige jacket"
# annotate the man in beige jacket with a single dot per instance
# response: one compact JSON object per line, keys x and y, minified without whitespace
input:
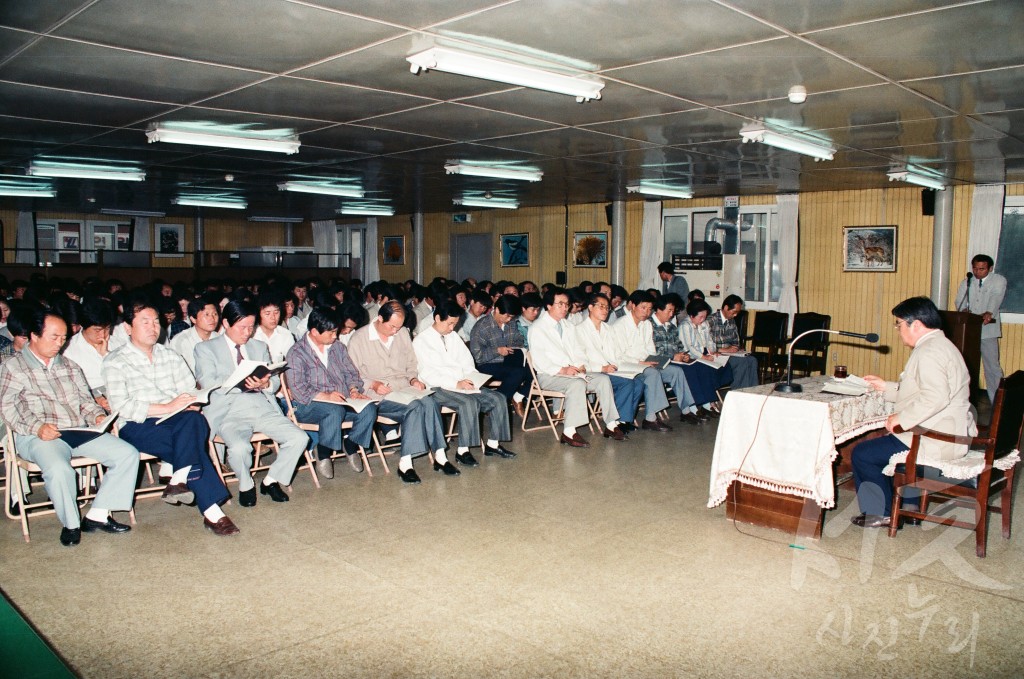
{"x":933,"y":393}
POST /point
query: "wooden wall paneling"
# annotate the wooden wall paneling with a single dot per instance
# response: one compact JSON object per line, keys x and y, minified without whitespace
{"x":398,"y":225}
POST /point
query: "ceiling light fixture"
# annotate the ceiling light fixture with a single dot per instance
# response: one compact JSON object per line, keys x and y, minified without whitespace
{"x":790,"y":142}
{"x":583,"y":87}
{"x":366,"y":210}
{"x":211,"y":201}
{"x":279,"y":220}
{"x":131,"y":213}
{"x":905,"y":174}
{"x":50,"y":168}
{"x":493,"y":171}
{"x":505,"y":203}
{"x":797,"y":94}
{"x":654,"y":189}
{"x":324,"y":188}
{"x":23,"y":189}
{"x":224,"y":136}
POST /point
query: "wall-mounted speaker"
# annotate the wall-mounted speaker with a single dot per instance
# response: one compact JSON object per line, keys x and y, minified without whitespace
{"x":608,"y":213}
{"x":560,"y":278}
{"x":928,"y":202}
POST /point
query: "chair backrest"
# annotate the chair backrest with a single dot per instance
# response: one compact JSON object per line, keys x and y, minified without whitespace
{"x":803,"y":322}
{"x":1008,"y":414}
{"x":741,"y":326}
{"x":770,"y":327}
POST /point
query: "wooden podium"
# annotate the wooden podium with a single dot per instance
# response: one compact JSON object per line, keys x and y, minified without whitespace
{"x":964,"y":330}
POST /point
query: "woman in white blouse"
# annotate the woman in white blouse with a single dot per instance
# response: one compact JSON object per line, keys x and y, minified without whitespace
{"x":695,"y":334}
{"x":269,"y":330}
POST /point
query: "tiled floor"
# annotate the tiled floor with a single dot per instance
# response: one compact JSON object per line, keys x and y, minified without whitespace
{"x":588,"y":563}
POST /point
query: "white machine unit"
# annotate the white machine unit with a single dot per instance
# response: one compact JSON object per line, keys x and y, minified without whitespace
{"x":718,"y":276}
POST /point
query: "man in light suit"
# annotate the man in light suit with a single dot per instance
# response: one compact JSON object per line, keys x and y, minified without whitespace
{"x":235,"y":415}
{"x":933,"y":393}
{"x":983,"y":294}
{"x":672,"y":283}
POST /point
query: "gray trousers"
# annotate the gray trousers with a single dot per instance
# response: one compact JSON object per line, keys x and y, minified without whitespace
{"x":990,"y":361}
{"x":655,"y":399}
{"x":469,"y":407}
{"x":576,"y":390}
{"x":422,"y":431}
{"x":675,"y":378}
{"x":237,"y":429}
{"x":117,"y":491}
{"x":744,"y":371}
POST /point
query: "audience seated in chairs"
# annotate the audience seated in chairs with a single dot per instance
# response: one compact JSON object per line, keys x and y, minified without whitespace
{"x":497,"y":347}
{"x":726,"y":337}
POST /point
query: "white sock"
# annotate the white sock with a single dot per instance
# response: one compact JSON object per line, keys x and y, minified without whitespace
{"x":405,"y":463}
{"x":517,"y":397}
{"x":707,"y":406}
{"x":214,"y":513}
{"x":463,"y":450}
{"x":100,"y":515}
{"x":611,"y":425}
{"x":267,"y":480}
{"x":692,"y":410}
{"x":569,"y":432}
{"x":166,"y":469}
{"x":492,"y":443}
{"x":180,"y":476}
{"x":391,"y":436}
{"x":440,"y":457}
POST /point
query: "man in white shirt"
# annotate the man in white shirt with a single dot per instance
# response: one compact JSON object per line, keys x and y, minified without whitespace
{"x":982,"y":293}
{"x":89,"y":345}
{"x":600,"y":355}
{"x":446,"y":366}
{"x":560,"y":367}
{"x":268,"y":328}
{"x":634,"y":337}
{"x":205,"y":317}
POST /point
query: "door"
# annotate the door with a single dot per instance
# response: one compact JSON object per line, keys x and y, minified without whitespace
{"x":471,"y":256}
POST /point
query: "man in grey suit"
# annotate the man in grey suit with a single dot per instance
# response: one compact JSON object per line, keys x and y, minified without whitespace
{"x":235,"y":415}
{"x":982,"y":293}
{"x":670,"y":282}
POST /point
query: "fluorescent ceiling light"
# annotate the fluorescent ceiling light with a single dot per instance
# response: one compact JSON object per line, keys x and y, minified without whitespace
{"x":28,"y":189}
{"x":325,"y":188}
{"x":132,"y":213}
{"x":506,"y":203}
{"x":225,"y":136}
{"x":280,"y":220}
{"x":211,"y":201}
{"x":583,"y":87}
{"x":790,"y":142}
{"x":494,"y":171}
{"x":654,"y":189}
{"x":48,"y":168}
{"x":905,"y":174}
{"x":370,"y":211}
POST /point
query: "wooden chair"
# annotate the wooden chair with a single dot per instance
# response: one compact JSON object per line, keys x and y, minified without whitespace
{"x":1001,"y":439}
{"x":811,"y":354}
{"x":15,"y":465}
{"x":537,"y":402}
{"x":768,"y":340}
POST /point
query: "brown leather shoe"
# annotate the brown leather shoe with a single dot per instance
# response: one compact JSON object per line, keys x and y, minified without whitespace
{"x":711,"y":413}
{"x":178,"y":494}
{"x":690,"y":418}
{"x":223,"y":527}
{"x":520,"y":408}
{"x":576,"y":441}
{"x":656,"y":425}
{"x":614,"y":434}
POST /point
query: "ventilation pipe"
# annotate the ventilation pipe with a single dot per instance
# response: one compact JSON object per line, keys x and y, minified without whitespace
{"x":729,"y":228}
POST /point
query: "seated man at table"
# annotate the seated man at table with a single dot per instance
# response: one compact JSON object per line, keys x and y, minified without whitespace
{"x":321,"y":377}
{"x":146,"y":381}
{"x":559,"y":365}
{"x":933,"y":393}
{"x":41,"y":392}
{"x":444,"y":366}
{"x":497,"y":347}
{"x":236,"y":414}
{"x":382,"y":353}
{"x":600,"y":355}
{"x":726,"y":337}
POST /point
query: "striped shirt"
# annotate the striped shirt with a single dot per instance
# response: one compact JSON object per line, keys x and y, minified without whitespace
{"x":32,"y":394}
{"x":134,"y":382}
{"x":487,"y":336}
{"x":723,"y":330}
{"x":696,"y":338}
{"x":308,"y":376}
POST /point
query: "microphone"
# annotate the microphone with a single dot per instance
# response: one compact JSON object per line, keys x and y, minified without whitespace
{"x":967,"y":293}
{"x":788,"y":387}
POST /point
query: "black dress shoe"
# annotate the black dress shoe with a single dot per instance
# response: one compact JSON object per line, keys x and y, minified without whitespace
{"x":274,"y":491}
{"x":14,"y":508}
{"x":247,"y":498}
{"x":409,"y":477}
{"x":627,"y":427}
{"x":875,"y":521}
{"x":448,"y":468}
{"x":69,"y":537}
{"x":108,"y":526}
{"x":655,"y":425}
{"x":690,"y":418}
{"x":467,"y":459}
{"x":500,"y":451}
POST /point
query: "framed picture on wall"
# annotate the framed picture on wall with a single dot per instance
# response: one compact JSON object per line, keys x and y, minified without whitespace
{"x":515,"y":249}
{"x":869,"y":248}
{"x":590,"y":249}
{"x":394,"y":250}
{"x":169,"y":240}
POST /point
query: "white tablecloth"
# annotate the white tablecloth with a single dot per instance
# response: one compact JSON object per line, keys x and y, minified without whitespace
{"x":787,"y":442}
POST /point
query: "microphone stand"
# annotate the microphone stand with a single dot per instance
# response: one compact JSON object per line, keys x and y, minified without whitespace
{"x":788,"y":387}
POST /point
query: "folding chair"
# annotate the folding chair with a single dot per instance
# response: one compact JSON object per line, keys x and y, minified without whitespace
{"x":537,"y":402}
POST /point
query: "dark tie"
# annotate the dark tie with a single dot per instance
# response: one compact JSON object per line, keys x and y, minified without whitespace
{"x":238,"y":354}
{"x":981,"y":282}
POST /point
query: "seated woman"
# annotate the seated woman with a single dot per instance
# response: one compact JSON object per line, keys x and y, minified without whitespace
{"x":695,"y":334}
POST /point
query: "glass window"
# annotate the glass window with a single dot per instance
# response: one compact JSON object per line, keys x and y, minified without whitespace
{"x":676,"y":229}
{"x":1008,"y":260}
{"x":759,"y":244}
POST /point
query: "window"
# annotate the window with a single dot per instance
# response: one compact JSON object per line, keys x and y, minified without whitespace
{"x":1008,"y":260}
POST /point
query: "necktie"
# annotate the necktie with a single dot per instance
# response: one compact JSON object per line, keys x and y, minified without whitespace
{"x":981,"y":282}
{"x":444,"y":342}
{"x":559,"y":326}
{"x":238,"y":354}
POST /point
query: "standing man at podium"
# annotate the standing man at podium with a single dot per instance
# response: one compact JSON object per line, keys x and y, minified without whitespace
{"x":982,"y":293}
